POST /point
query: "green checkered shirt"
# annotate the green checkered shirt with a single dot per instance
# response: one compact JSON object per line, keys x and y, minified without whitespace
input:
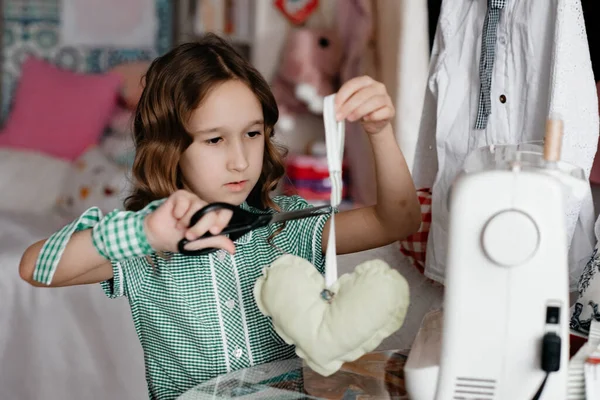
{"x":196,"y":316}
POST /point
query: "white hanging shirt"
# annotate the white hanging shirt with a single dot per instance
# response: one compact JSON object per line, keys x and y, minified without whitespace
{"x":541,"y":66}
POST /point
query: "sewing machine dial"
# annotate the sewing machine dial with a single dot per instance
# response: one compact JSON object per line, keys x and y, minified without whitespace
{"x":510,"y":238}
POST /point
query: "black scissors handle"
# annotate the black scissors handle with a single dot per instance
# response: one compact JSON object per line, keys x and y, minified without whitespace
{"x":241,"y":222}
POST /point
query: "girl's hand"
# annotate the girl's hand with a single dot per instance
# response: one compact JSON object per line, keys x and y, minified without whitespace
{"x":366,"y":100}
{"x":168,"y":224}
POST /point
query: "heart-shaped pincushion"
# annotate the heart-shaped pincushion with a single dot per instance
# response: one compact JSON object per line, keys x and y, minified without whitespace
{"x":369,"y":304}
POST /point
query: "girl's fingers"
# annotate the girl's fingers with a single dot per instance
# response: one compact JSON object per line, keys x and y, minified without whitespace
{"x":371,"y":105}
{"x":220,"y":242}
{"x":180,"y":205}
{"x":350,"y":87}
{"x":223,"y":217}
{"x":194,"y":205}
{"x":202,"y":226}
{"x":384,"y":113}
{"x":213,"y":222}
{"x":355,"y":101}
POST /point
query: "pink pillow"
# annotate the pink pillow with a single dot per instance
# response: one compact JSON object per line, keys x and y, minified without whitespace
{"x":59,"y":112}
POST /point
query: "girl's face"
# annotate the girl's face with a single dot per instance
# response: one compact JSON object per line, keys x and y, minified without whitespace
{"x":225,"y":159}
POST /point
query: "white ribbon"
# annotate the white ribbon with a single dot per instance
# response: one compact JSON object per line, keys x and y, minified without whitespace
{"x":334,"y":140}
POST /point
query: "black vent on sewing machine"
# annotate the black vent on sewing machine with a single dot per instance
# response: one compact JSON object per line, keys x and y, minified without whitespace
{"x":474,"y":388}
{"x":552,"y":315}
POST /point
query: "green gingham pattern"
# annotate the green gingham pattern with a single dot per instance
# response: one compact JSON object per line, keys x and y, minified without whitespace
{"x":117,"y":224}
{"x":120,"y":236}
{"x":55,"y":245}
{"x":196,"y":317}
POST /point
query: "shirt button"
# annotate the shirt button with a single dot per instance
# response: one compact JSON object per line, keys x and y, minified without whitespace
{"x":502,"y":40}
{"x":238,"y":353}
{"x":230,"y":304}
{"x":221,"y":255}
{"x":502,"y":99}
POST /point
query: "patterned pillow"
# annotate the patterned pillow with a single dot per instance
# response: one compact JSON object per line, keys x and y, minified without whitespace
{"x":93,"y":181}
{"x":33,"y":27}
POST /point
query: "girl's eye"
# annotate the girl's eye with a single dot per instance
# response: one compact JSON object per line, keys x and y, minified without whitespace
{"x":253,"y":134}
{"x":214,"y":140}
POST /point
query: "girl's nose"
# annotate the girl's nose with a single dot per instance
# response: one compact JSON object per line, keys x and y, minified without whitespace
{"x":237,"y":157}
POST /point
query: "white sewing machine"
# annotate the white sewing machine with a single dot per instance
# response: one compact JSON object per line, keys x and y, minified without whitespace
{"x":506,"y":288}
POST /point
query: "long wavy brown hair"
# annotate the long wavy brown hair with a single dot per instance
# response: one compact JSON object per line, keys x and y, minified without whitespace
{"x":174,"y":86}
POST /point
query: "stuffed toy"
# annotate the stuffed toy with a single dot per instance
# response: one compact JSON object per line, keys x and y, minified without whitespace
{"x":309,"y":70}
{"x":297,"y":11}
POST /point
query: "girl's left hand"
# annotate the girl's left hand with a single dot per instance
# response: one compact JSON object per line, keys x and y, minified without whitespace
{"x":366,"y":100}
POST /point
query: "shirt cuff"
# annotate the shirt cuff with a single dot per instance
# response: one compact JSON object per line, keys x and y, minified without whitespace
{"x":53,"y":249}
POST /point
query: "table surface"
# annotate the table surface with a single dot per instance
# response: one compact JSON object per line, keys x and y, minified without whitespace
{"x":376,"y":375}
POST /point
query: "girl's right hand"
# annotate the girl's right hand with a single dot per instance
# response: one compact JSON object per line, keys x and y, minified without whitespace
{"x":169,"y":223}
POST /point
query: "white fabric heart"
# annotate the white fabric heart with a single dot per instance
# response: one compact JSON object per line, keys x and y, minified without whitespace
{"x":368,"y":305}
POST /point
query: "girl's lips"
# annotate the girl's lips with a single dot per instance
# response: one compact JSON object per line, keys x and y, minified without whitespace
{"x":236,"y":186}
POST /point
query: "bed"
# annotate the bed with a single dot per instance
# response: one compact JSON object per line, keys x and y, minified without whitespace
{"x":61,"y":343}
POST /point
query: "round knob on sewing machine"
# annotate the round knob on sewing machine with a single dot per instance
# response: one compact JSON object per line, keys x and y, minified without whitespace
{"x":510,"y":238}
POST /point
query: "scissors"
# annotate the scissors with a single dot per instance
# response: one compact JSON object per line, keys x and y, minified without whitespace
{"x":243,"y":221}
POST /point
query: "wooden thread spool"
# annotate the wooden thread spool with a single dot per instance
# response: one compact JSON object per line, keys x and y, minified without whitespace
{"x":553,"y":140}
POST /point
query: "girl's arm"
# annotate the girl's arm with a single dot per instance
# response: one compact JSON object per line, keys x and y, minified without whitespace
{"x":397,"y":213}
{"x":80,"y":263}
{"x":159,"y":226}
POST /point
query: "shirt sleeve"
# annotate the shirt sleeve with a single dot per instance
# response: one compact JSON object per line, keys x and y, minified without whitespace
{"x":55,"y":245}
{"x":128,"y":277}
{"x":305,"y":236}
{"x":129,"y":274}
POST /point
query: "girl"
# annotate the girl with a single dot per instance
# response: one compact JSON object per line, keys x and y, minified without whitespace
{"x":204,"y":133}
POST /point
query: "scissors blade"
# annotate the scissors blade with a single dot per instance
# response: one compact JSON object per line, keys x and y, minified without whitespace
{"x":305,"y":213}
